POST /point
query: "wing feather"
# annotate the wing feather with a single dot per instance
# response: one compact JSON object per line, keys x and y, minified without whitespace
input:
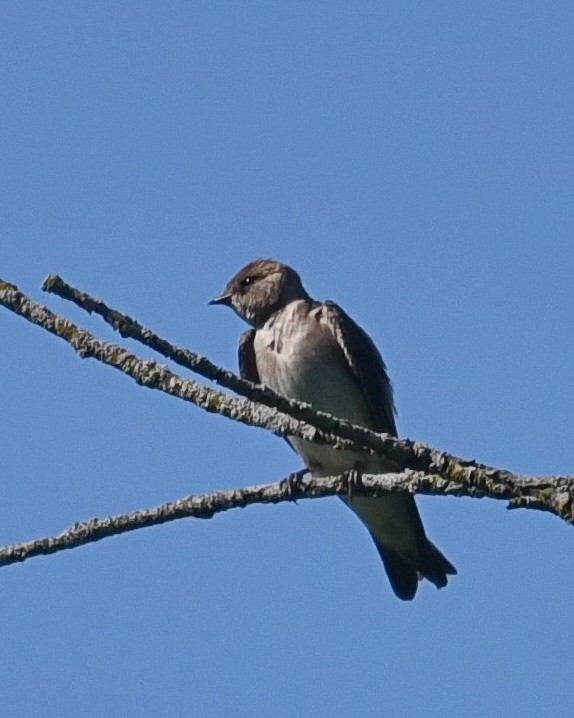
{"x":247,"y":362}
{"x":367,"y":365}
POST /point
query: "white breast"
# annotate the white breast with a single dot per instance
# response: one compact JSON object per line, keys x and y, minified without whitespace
{"x":298,"y":357}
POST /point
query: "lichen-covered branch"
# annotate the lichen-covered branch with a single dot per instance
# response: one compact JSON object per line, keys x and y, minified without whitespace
{"x":150,"y":374}
{"x":523,"y":491}
{"x":400,"y":453}
{"x":199,"y":364}
{"x":472,"y":478}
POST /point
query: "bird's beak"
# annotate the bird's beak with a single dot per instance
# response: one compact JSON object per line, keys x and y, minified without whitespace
{"x":224,"y":299}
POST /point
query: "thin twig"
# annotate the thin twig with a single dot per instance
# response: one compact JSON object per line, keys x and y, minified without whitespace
{"x":152,"y":375}
{"x":400,"y":453}
{"x":530,"y":492}
{"x":556,"y":494}
{"x":130,"y":328}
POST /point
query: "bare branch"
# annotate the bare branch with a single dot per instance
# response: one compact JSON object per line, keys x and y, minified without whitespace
{"x":547,"y":493}
{"x":400,"y":453}
{"x":199,"y":364}
{"x":152,"y":375}
{"x":465,"y":478}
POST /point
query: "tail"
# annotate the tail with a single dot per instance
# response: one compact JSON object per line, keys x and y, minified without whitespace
{"x":397,"y":530}
{"x":404,"y":576}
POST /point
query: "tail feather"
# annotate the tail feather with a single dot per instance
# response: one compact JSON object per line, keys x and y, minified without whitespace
{"x":436,"y":567}
{"x":404,"y":575}
{"x":397,"y":530}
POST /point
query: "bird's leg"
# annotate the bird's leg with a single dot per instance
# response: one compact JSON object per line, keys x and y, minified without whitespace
{"x":354,"y":480}
{"x":293,"y":483}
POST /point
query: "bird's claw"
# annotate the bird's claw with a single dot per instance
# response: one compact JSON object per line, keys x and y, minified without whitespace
{"x":354,"y":481}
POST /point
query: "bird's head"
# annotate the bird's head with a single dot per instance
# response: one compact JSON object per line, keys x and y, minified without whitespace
{"x":261,"y":288}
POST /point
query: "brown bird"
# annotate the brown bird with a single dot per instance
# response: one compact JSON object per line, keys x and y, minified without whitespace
{"x":313,"y":352}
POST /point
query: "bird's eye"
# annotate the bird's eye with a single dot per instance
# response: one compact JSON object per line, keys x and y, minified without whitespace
{"x":247,"y":281}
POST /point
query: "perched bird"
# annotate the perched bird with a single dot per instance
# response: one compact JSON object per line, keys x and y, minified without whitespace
{"x":313,"y":352}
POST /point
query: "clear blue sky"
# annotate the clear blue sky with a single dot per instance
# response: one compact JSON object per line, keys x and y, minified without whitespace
{"x":414,"y":161}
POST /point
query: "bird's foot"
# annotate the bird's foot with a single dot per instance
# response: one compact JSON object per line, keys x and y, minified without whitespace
{"x":354,"y":481}
{"x":292,"y":483}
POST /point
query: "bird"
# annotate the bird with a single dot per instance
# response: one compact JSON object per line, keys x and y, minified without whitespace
{"x":313,"y":352}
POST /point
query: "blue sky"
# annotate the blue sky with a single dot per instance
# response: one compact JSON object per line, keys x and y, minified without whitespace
{"x":414,"y":162}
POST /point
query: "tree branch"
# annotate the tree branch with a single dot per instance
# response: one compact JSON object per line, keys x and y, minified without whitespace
{"x":530,"y":492}
{"x":401,"y":454}
{"x":152,"y":375}
{"x":424,"y":469}
{"x":258,"y":393}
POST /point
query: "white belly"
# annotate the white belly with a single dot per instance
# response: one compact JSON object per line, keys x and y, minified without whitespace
{"x":301,"y":360}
